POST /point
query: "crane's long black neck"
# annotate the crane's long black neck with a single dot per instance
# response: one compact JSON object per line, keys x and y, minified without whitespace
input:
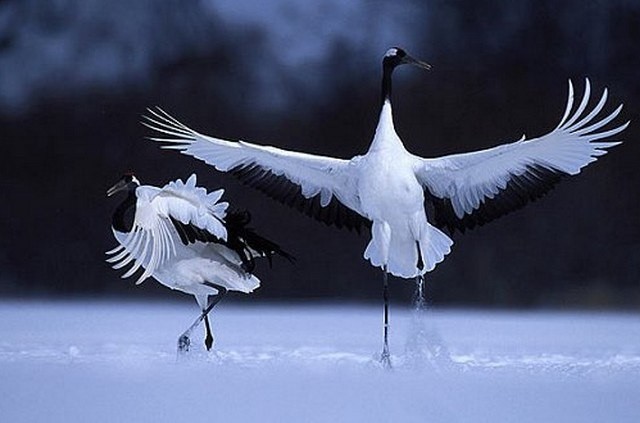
{"x":387,"y":70}
{"x":118,"y":219}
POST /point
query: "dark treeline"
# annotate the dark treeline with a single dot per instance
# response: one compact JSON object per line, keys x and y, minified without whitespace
{"x":500,"y":70}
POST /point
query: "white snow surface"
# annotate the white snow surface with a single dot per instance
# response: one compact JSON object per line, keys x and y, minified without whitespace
{"x":80,"y":361}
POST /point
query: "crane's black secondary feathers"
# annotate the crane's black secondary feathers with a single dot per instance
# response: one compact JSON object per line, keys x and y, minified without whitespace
{"x":520,"y":190}
{"x":288,"y":193}
{"x":240,"y":238}
{"x":244,"y":240}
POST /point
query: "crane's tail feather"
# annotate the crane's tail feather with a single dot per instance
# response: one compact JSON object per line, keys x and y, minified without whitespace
{"x":434,"y":246}
{"x":407,"y":254}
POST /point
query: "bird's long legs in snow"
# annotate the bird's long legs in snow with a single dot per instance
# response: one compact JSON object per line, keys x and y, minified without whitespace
{"x":419,"y":305}
{"x":385,"y":357}
{"x":208,"y":335}
{"x":419,"y":302}
{"x":184,"y":342}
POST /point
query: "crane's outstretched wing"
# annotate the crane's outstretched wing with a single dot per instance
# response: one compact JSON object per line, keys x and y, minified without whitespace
{"x":315,"y":185}
{"x":471,"y":189}
{"x":181,"y":205}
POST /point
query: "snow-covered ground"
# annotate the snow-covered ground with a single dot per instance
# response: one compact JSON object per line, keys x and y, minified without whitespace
{"x":87,"y":361}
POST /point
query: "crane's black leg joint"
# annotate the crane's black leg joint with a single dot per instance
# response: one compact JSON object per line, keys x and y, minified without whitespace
{"x":222,"y":291}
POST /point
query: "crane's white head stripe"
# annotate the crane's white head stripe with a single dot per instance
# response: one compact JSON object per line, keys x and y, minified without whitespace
{"x":391,"y":52}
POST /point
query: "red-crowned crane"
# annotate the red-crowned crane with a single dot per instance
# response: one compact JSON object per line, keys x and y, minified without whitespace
{"x":407,"y":201}
{"x":184,"y":238}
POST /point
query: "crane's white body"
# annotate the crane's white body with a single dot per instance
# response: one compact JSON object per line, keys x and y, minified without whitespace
{"x":197,"y":263}
{"x":154,"y":244}
{"x":400,"y":226}
{"x":387,"y":185}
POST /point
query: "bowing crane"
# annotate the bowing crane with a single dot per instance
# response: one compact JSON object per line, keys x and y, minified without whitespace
{"x":408,"y":202}
{"x":184,"y":238}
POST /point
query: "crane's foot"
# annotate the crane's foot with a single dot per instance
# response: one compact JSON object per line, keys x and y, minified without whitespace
{"x":183,"y":344}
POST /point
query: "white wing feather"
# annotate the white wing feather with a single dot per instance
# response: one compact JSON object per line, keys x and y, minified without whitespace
{"x":191,"y":204}
{"x":150,"y":243}
{"x":315,"y":175}
{"x":468,"y":179}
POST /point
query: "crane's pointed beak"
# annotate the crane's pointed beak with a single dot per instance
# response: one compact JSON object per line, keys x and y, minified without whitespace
{"x":411,"y":61}
{"x":119,"y":186}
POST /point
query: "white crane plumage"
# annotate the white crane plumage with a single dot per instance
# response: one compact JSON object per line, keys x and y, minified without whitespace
{"x":185,"y":238}
{"x":407,"y":201}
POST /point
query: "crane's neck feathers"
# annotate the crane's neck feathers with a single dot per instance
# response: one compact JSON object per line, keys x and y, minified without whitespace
{"x":386,"y":137}
{"x":387,"y":71}
{"x":118,"y":220}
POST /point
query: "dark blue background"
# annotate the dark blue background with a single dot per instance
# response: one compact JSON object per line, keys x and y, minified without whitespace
{"x":75,"y":77}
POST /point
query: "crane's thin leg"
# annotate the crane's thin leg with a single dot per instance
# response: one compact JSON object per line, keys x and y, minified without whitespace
{"x":385,"y":358}
{"x":184,"y":342}
{"x":419,"y":301}
{"x":208,"y":338}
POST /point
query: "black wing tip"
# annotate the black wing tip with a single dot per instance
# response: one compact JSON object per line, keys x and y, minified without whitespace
{"x":290,"y":258}
{"x":242,"y":238}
